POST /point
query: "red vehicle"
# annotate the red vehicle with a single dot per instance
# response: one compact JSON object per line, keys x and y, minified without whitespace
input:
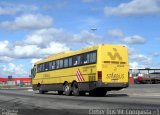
{"x":146,"y":76}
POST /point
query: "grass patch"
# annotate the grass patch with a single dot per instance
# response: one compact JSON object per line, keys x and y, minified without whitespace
{"x":7,"y":86}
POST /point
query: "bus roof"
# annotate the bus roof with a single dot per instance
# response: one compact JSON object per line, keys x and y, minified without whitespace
{"x":70,"y":53}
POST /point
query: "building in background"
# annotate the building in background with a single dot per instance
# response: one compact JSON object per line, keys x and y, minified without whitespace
{"x":145,"y":75}
{"x":15,"y":81}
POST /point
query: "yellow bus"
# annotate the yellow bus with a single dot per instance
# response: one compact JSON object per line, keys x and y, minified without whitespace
{"x":95,"y":69}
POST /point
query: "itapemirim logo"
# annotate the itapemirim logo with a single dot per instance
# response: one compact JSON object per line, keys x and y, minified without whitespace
{"x":115,"y":55}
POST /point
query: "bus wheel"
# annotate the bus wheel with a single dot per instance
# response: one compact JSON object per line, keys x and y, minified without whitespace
{"x":101,"y":93}
{"x":92,"y":93}
{"x":97,"y":93}
{"x":75,"y":89}
{"x":67,"y":89}
{"x":60,"y":92}
{"x":40,"y":89}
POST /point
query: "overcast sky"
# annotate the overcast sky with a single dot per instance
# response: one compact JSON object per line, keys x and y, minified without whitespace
{"x":33,"y":29}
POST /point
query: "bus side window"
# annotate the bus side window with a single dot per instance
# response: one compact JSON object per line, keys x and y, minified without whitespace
{"x":85,"y":58}
{"x":42,"y":69}
{"x":57,"y":64}
{"x":50,"y":65}
{"x":53,"y":65}
{"x":75,"y":61}
{"x":66,"y":62}
{"x":61,"y":63}
{"x":46,"y":66}
{"x":79,"y":59}
{"x":70,"y":61}
{"x":92,"y":57}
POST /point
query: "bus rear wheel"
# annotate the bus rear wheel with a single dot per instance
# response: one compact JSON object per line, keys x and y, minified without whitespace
{"x":76,"y":91}
{"x":102,"y":93}
{"x":92,"y":93}
{"x":60,"y":92}
{"x":67,"y":89}
{"x":98,"y":92}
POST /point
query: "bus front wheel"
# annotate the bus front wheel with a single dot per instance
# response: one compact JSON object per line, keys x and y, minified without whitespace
{"x":67,"y":89}
{"x":41,"y":91}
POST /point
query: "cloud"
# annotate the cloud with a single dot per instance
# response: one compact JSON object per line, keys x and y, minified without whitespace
{"x":34,"y":60}
{"x":136,"y":39}
{"x":4,"y":51}
{"x":135,"y":7}
{"x":53,"y":48}
{"x":3,"y":45}
{"x":27,"y":51}
{"x":115,"y":33}
{"x":141,"y":58}
{"x":88,"y":1}
{"x":132,"y":51}
{"x":136,"y":65}
{"x":34,"y":51}
{"x":11,"y":8}
{"x":56,"y":5}
{"x":155,"y":54}
{"x":45,"y":36}
{"x":124,"y":39}
{"x":44,"y":42}
{"x":39,"y":44}
{"x":14,"y":70}
{"x":28,"y":21}
{"x":86,"y":37}
{"x":5,"y":59}
{"x":138,"y":60}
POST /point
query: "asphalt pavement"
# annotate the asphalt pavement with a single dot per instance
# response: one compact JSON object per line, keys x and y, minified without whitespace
{"x":136,"y":100}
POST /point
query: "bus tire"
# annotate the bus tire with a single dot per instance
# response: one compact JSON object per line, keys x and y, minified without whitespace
{"x":60,"y":92}
{"x":75,"y":88}
{"x":82,"y":93}
{"x":99,"y":93}
{"x":40,"y":89}
{"x":41,"y":92}
{"x":67,"y":89}
{"x":92,"y":93}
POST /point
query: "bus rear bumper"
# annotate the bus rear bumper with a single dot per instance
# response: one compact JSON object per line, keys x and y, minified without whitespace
{"x":107,"y":86}
{"x":101,"y":84}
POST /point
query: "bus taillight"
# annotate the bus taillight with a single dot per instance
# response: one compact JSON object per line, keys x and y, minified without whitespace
{"x":99,"y":75}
